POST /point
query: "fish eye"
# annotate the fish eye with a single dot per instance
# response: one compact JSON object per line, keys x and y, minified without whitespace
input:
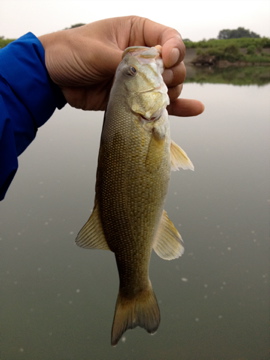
{"x":132,"y":71}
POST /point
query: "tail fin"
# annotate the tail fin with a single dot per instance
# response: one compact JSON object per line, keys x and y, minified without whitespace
{"x":141,"y":310}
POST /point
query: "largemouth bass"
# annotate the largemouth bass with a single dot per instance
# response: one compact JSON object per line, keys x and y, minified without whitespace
{"x":135,"y":160}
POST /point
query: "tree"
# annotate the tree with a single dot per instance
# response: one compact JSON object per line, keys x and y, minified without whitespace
{"x":240,"y":32}
{"x":224,"y":34}
{"x":76,"y":25}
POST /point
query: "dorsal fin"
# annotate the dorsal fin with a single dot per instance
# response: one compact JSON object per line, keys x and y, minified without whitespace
{"x":168,"y":243}
{"x":179,"y":158}
{"x":91,"y":236}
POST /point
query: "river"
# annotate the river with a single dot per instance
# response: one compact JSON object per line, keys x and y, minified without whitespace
{"x":57,"y":300}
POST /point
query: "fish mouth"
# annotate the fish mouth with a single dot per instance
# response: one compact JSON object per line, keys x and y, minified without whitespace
{"x":143,"y":52}
{"x":146,"y":55}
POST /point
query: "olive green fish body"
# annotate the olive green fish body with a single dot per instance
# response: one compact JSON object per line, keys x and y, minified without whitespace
{"x":131,"y":203}
{"x":135,"y":160}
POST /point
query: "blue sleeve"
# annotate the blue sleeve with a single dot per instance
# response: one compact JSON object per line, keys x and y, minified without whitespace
{"x":28,"y":99}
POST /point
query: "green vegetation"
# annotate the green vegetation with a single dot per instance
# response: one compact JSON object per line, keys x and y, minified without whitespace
{"x":245,"y":50}
{"x":259,"y":43}
{"x":230,"y":59}
{"x":4,"y":42}
{"x":240,"y":32}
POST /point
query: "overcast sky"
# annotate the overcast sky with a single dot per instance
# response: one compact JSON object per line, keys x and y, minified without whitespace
{"x":194,"y":19}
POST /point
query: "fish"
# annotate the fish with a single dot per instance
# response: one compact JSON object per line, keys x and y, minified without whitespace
{"x":136,"y":156}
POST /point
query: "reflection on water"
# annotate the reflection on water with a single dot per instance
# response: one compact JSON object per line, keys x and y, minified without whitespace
{"x":246,"y":75}
{"x":57,"y":300}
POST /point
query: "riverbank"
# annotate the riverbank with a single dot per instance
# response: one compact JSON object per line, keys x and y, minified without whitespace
{"x":226,"y":53}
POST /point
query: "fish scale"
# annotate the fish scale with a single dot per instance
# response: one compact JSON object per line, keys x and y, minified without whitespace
{"x":135,"y":160}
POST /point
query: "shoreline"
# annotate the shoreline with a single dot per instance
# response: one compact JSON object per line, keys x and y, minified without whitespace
{"x":192,"y":59}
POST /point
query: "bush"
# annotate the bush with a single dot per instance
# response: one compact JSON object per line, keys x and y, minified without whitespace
{"x":230,"y":53}
{"x":251,"y":50}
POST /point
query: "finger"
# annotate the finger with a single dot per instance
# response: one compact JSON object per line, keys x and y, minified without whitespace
{"x":175,"y":75}
{"x":185,"y":107}
{"x":152,"y":33}
{"x":174,"y":92}
{"x":173,"y":49}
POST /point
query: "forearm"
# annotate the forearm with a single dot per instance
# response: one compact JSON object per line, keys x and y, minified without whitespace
{"x":28,"y":98}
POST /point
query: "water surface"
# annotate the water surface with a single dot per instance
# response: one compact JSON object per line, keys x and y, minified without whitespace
{"x":57,"y":300}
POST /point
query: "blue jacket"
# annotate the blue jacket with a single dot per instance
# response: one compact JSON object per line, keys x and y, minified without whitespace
{"x":28,"y":98}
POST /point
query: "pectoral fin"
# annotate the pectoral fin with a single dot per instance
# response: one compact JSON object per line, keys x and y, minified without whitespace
{"x":179,"y":158}
{"x":168,"y":243}
{"x":91,"y":236}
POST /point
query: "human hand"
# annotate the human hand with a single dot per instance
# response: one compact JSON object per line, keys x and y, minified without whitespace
{"x":83,"y":60}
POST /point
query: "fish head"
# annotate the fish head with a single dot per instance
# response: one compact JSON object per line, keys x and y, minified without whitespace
{"x":140,"y":73}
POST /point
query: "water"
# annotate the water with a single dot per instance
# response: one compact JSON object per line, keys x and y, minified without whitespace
{"x":57,"y":300}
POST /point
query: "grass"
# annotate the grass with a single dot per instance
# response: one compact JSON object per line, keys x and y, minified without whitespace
{"x":259,"y":43}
